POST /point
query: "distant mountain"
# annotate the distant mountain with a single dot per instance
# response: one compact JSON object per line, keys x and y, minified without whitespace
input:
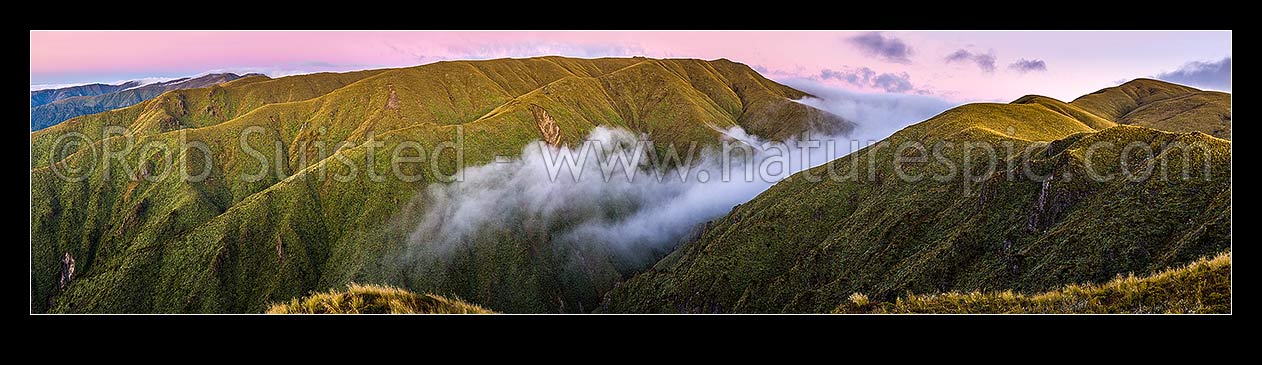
{"x":1032,"y":224}
{"x":59,"y":105}
{"x":41,"y":97}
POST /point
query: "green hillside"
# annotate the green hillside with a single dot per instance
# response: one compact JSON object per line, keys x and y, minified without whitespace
{"x":805,"y":246}
{"x":1201,"y":287}
{"x":375,"y":299}
{"x":230,"y":244}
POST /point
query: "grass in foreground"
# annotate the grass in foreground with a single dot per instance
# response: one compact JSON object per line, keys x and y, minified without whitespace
{"x":1203,"y":286}
{"x":375,"y":299}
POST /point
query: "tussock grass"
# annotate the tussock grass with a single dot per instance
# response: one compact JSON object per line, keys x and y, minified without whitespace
{"x":1203,"y":286}
{"x":375,"y":299}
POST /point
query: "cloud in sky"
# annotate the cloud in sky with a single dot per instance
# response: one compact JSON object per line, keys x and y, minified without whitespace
{"x":899,"y":83}
{"x":1206,"y":74}
{"x":886,"y":47}
{"x":984,"y":61}
{"x":1024,"y":65}
{"x":861,"y":77}
{"x":543,"y":48}
{"x":867,"y":78}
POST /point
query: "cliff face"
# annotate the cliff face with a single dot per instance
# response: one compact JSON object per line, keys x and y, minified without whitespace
{"x":548,"y":130}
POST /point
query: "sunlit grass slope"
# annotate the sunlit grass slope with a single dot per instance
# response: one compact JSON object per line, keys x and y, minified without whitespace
{"x":375,"y":299}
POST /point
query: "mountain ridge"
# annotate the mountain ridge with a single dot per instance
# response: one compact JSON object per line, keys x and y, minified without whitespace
{"x":45,"y":96}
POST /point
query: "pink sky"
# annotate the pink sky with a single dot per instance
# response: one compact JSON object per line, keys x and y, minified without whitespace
{"x":1075,"y":63}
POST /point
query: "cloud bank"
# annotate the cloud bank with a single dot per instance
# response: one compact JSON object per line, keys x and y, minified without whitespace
{"x":877,"y":116}
{"x":1205,"y":74}
{"x":638,"y":213}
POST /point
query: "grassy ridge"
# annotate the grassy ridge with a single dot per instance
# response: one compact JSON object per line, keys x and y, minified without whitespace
{"x":1162,"y":105}
{"x":375,"y":299}
{"x":804,"y":246}
{"x":1203,"y":286}
{"x":1205,"y":111}
{"x":228,"y":245}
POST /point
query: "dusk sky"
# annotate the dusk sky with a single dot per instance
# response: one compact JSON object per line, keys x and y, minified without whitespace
{"x":957,"y":66}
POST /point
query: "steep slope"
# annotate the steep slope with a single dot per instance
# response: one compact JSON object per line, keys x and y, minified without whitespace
{"x":890,"y":221}
{"x":41,"y":97}
{"x":375,"y":299}
{"x":57,"y":111}
{"x":1201,"y":287}
{"x":236,"y":242}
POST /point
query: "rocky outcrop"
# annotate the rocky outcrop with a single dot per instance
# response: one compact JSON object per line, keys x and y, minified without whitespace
{"x":392,"y":102}
{"x":67,"y":271}
{"x":548,"y":129}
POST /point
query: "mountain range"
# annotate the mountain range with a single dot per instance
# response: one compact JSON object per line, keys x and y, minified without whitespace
{"x":157,"y":243}
{"x":52,"y":106}
{"x":45,"y":96}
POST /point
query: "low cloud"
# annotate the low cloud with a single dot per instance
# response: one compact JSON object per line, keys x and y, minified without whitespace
{"x":984,"y":61}
{"x":867,"y":78}
{"x":876,"y":116}
{"x":635,"y":215}
{"x":1204,"y":74}
{"x":584,"y":199}
{"x":1024,"y":66}
{"x":883,"y":46}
